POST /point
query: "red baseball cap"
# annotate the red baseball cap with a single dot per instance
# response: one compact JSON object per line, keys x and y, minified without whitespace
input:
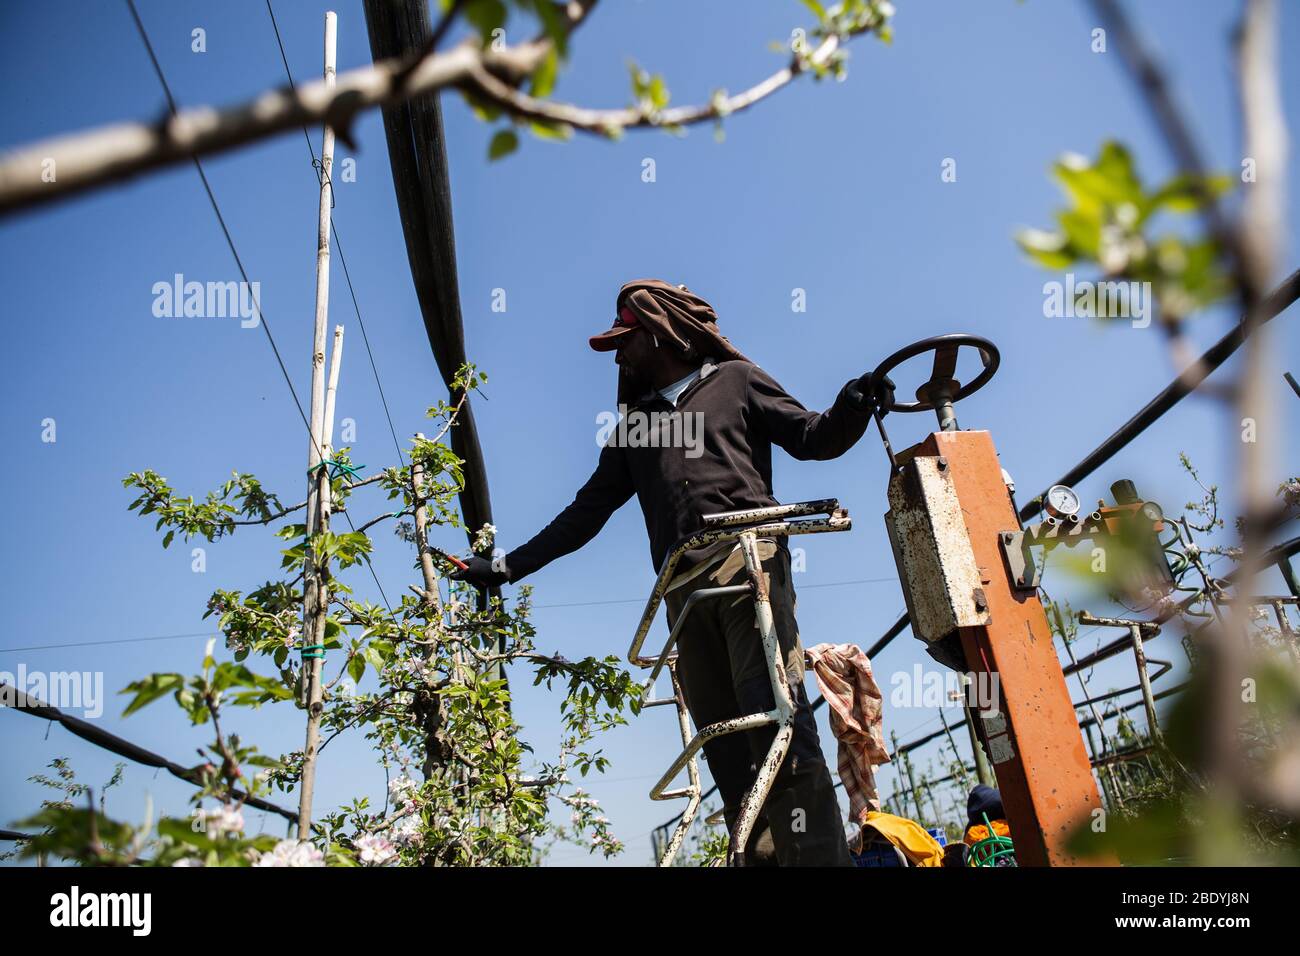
{"x":623,"y":324}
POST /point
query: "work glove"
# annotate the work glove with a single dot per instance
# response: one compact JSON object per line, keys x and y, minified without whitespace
{"x":480,"y":573}
{"x":870,"y":396}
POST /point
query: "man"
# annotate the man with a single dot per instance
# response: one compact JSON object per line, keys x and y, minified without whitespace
{"x":673,"y":363}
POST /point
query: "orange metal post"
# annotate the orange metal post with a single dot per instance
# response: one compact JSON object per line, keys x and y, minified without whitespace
{"x":1035,"y":746}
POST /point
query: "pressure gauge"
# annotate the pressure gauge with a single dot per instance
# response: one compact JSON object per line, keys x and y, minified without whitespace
{"x":1153,"y":512}
{"x":1060,"y":502}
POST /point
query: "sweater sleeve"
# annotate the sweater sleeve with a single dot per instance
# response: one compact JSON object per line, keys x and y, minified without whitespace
{"x":607,"y":490}
{"x":805,"y":435}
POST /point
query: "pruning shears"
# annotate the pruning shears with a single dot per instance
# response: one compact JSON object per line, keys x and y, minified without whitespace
{"x":449,"y":558}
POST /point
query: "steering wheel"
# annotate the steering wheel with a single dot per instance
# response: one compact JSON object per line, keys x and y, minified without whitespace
{"x":941,"y":389}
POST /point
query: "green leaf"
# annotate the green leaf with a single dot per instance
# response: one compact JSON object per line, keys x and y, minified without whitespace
{"x":818,"y":10}
{"x":1082,"y":230}
{"x":503,"y":143}
{"x":545,"y":129}
{"x":487,"y":112}
{"x":543,"y":79}
{"x":182,"y":831}
{"x":1181,"y":194}
{"x":486,"y":16}
{"x":554,"y":24}
{"x":1048,"y":249}
{"x":1110,"y":181}
{"x":150,"y":689}
{"x":658,"y":91}
{"x":356,"y":667}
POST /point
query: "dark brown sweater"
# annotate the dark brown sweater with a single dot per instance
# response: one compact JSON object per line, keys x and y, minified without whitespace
{"x":728,"y":464}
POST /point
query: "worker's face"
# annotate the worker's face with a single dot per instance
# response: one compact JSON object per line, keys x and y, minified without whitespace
{"x":636,"y":350}
{"x":637,"y":355}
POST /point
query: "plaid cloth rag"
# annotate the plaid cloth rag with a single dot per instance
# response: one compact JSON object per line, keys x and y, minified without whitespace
{"x":844,"y":678}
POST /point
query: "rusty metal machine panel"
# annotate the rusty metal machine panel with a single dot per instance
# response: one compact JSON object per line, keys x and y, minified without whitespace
{"x":1032,"y":734}
{"x":936,"y":563}
{"x":954,"y":531}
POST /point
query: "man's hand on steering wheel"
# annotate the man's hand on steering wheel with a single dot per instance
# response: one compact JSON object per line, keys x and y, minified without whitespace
{"x":872,"y":396}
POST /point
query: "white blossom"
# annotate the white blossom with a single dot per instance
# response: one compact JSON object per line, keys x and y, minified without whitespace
{"x":292,"y":853}
{"x":225,"y":819}
{"x":484,"y":538}
{"x":406,"y":832}
{"x":1291,"y":491}
{"x":374,"y":850}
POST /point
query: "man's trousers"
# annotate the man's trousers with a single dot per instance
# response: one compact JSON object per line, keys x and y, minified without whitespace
{"x":723,"y":673}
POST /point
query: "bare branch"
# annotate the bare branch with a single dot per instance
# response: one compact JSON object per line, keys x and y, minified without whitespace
{"x":1265,"y":141}
{"x":67,"y":165}
{"x":1262,"y":236}
{"x":440,"y":31}
{"x":1261,"y":232}
{"x":72,"y":164}
{"x":611,"y":122}
{"x":271,"y":517}
{"x":374,"y":521}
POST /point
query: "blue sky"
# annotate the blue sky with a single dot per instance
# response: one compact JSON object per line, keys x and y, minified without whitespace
{"x":833,"y":188}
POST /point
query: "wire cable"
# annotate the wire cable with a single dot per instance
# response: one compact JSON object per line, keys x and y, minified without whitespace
{"x":338,"y":241}
{"x":173,"y":637}
{"x":171,"y":105}
{"x":118,"y":640}
{"x":802,"y":587}
{"x":221,"y":220}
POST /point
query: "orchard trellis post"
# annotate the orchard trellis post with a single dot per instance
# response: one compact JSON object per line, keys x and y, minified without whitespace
{"x":430,"y":709}
{"x":315,"y":597}
{"x":960,"y":769}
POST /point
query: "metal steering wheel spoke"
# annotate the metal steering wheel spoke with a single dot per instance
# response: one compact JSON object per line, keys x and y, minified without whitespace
{"x":945,"y":363}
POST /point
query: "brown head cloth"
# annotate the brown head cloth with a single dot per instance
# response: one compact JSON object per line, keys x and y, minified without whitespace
{"x":674,"y":316}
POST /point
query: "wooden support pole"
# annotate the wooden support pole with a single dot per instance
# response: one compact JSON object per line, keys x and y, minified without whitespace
{"x":911,"y":783}
{"x":331,"y":393}
{"x":324,"y":489}
{"x":429,"y":710}
{"x":983,"y":771}
{"x":316,"y":604}
{"x":961,"y":763}
{"x":928,"y":787}
{"x":422,"y":538}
